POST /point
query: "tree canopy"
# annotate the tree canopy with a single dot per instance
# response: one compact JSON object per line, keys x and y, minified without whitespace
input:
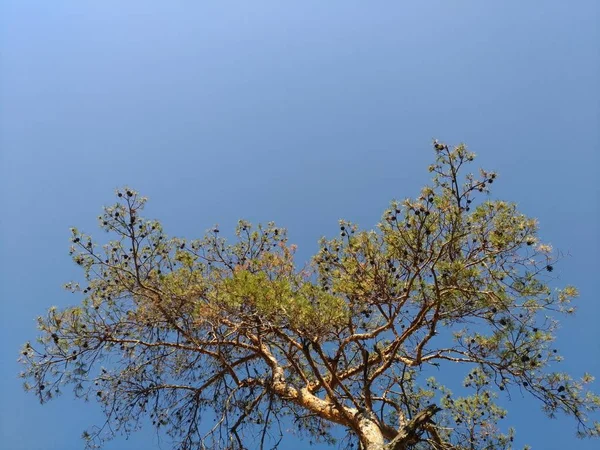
{"x":230,"y":345}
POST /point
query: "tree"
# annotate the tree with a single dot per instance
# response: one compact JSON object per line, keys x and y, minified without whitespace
{"x":183,"y":330}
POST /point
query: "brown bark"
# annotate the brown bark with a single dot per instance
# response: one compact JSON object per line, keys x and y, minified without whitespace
{"x":411,"y":431}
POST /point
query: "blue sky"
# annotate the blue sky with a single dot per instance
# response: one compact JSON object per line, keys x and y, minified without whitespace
{"x":298,"y":112}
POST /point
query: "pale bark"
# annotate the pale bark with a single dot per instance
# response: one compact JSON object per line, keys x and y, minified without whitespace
{"x":370,"y":434}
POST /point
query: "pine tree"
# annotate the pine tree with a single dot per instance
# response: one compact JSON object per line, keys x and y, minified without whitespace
{"x":341,"y":351}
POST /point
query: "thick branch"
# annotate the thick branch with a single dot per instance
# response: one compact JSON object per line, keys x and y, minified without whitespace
{"x":411,"y":431}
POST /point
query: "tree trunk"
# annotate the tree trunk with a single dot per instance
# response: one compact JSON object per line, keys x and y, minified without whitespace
{"x":371,"y":437}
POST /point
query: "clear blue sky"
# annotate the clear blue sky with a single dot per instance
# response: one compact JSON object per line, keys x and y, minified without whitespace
{"x":300,"y":112}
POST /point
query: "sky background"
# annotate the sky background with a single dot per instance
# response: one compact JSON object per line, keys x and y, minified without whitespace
{"x":298,"y":112}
